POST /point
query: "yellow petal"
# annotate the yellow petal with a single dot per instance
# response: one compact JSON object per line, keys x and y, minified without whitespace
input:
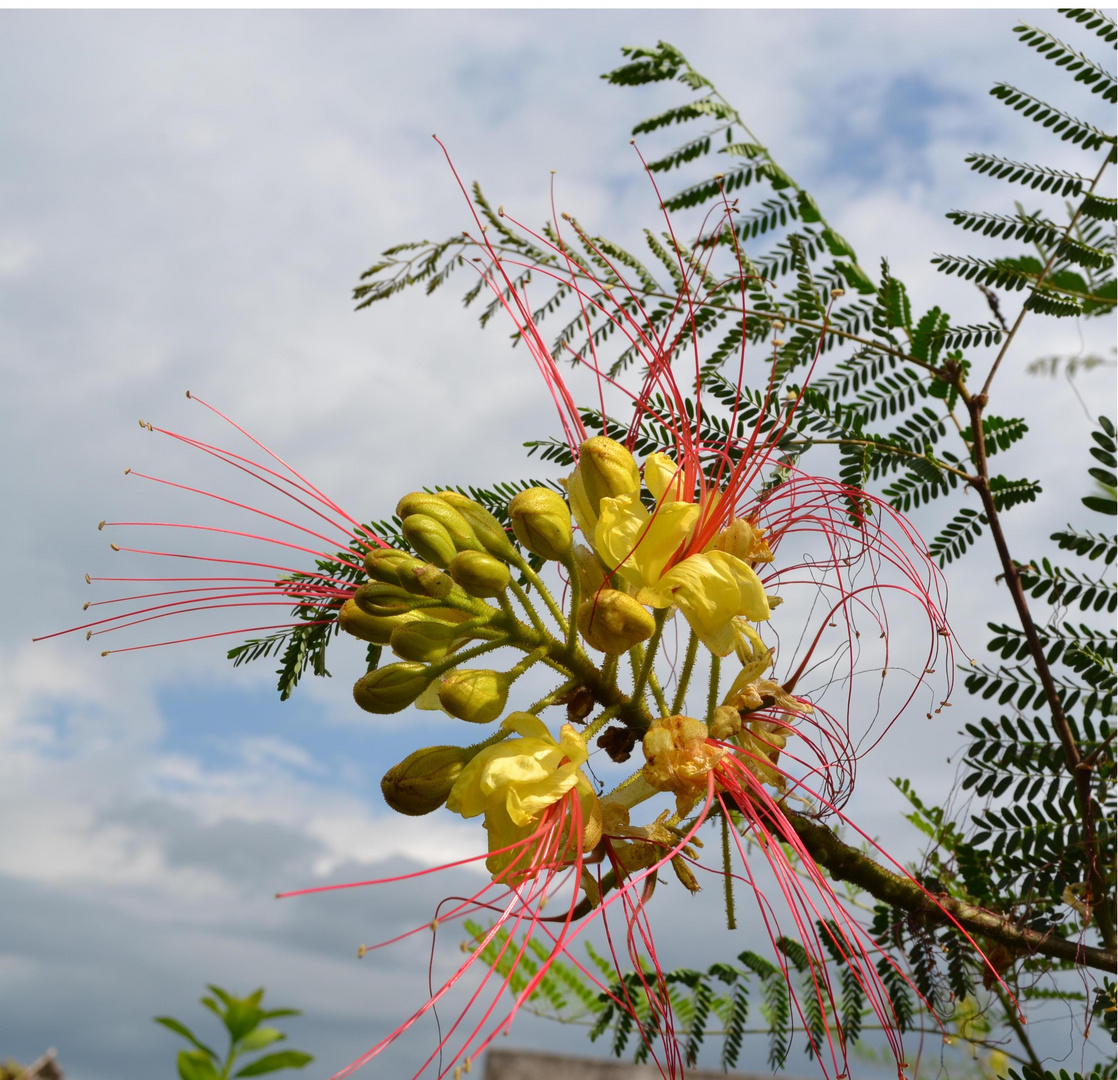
{"x":640,"y":544}
{"x":662,"y":474}
{"x":711,"y":589}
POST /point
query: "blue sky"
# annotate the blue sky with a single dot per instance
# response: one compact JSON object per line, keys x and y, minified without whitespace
{"x":186,"y":200}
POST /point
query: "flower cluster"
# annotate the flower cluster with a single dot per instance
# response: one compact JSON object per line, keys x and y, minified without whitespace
{"x":623,"y":559}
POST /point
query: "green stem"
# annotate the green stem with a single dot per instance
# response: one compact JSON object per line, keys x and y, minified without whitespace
{"x":545,"y":594}
{"x":685,"y":674}
{"x":528,"y":606}
{"x":553,"y":697}
{"x":599,"y":722}
{"x":728,"y":877}
{"x":712,"y":694}
{"x":576,"y":597}
{"x":650,"y":650}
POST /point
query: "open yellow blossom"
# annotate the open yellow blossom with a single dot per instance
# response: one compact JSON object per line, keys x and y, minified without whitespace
{"x":514,"y":782}
{"x":711,"y":588}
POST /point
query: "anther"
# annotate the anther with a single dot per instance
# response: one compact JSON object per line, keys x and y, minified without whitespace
{"x":85,"y":606}
{"x":836,"y":293}
{"x":361,"y":950}
{"x":777,"y":343}
{"x":106,"y":652}
{"x":114,"y":547}
{"x":142,"y":424}
{"x":128,"y":470}
{"x":100,"y":525}
{"x":188,"y":393}
{"x":88,"y":580}
{"x":88,"y":634}
{"x":501,"y":210}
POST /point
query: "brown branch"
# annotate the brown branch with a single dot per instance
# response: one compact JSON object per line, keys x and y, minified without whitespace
{"x":849,"y":864}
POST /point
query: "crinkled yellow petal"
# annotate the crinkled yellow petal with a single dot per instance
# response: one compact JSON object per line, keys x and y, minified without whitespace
{"x":662,"y":475}
{"x":711,"y":589}
{"x":640,"y":544}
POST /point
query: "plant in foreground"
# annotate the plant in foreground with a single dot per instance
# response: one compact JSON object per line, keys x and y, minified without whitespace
{"x":243,"y":1019}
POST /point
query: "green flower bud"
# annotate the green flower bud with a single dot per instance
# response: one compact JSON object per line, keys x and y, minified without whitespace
{"x":486,"y":527}
{"x":614,"y":622}
{"x":391,"y":689}
{"x":458,"y":528}
{"x":383,"y":600}
{"x":424,"y":640}
{"x":428,"y":580}
{"x":430,"y":538}
{"x":476,"y":696}
{"x":391,"y":566}
{"x":479,"y":574}
{"x":607,"y":470}
{"x":373,"y":628}
{"x":542,"y":522}
{"x":422,"y":781}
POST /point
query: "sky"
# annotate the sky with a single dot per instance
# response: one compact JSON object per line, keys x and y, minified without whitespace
{"x":186,"y":201}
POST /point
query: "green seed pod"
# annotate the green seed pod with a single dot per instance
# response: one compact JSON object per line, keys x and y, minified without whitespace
{"x":479,"y":574}
{"x":486,"y":527}
{"x":430,"y":538}
{"x":373,"y":628}
{"x":476,"y":696}
{"x":458,"y":528}
{"x":383,"y":600}
{"x":424,"y":640}
{"x":391,"y":566}
{"x":422,"y":781}
{"x":391,"y":689}
{"x":542,"y":522}
{"x":614,"y":622}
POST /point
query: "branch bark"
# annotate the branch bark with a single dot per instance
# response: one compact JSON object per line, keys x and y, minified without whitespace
{"x":851,"y":865}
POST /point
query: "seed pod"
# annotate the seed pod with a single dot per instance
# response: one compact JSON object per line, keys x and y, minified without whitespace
{"x":542,"y":522}
{"x":476,"y":696}
{"x":479,"y":574}
{"x":424,"y":640}
{"x":373,"y":628}
{"x":391,"y":689}
{"x":423,"y":502}
{"x":486,"y":527}
{"x":430,"y":538}
{"x":391,"y":566}
{"x":421,"y":782}
{"x":614,"y":622}
{"x":383,"y":600}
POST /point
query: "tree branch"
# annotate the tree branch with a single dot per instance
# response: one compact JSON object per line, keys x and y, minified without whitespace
{"x":849,"y":864}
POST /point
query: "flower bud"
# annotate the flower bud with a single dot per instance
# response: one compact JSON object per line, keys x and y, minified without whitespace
{"x":486,"y":527}
{"x":383,"y":600}
{"x":430,"y":538}
{"x":421,"y":782}
{"x":423,"y":502}
{"x":542,"y":522}
{"x":373,"y":628}
{"x":479,"y":574}
{"x":391,"y":689}
{"x":391,"y":566}
{"x":424,"y":640}
{"x":614,"y":622}
{"x":607,"y":470}
{"x":476,"y":696}
{"x":428,"y":580}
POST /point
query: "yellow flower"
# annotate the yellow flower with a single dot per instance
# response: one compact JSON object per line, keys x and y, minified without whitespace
{"x":514,"y":782}
{"x":711,"y":588}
